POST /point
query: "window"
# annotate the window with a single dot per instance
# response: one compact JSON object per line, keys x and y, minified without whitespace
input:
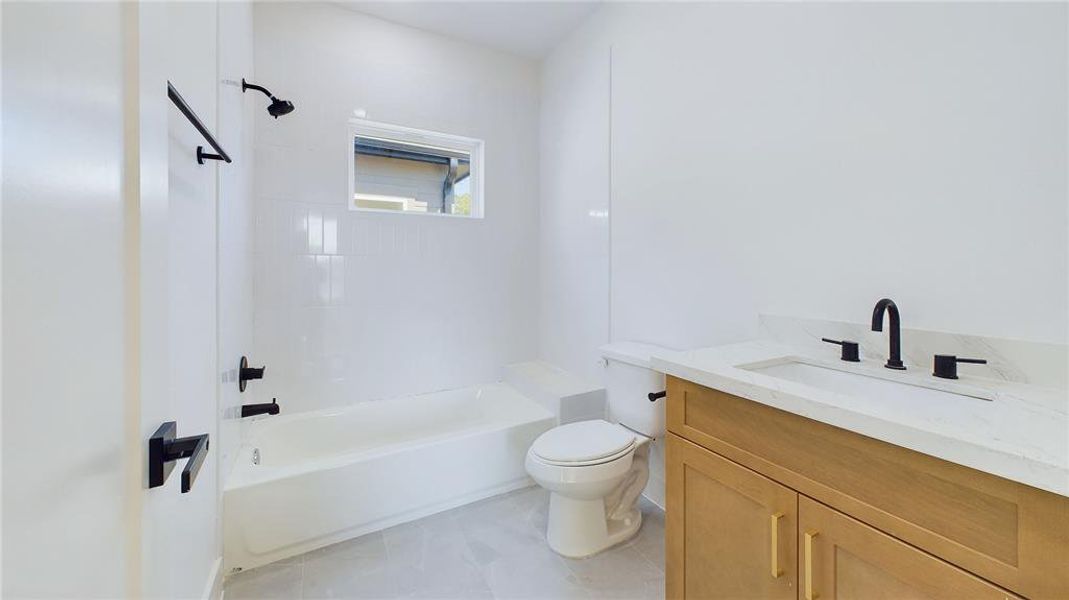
{"x":404,"y":170}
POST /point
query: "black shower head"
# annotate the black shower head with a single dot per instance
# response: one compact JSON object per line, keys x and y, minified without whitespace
{"x":277,"y":107}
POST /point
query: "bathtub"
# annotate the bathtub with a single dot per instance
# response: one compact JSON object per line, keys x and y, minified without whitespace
{"x":311,"y":479}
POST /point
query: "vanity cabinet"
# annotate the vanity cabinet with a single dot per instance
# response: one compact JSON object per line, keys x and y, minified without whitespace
{"x":844,"y":559}
{"x":878,"y":520}
{"x":738,"y":528}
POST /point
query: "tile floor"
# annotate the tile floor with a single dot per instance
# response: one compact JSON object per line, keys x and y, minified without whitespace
{"x":495,"y":548}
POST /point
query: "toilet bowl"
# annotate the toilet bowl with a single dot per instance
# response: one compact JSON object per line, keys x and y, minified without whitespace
{"x":596,"y":470}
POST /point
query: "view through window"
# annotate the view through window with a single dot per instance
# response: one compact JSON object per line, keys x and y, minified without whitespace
{"x":398,"y":174}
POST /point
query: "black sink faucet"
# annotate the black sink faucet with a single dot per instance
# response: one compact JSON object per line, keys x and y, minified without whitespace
{"x":894,"y":361}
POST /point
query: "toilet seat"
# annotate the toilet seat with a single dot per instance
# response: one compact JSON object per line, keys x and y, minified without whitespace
{"x":582,"y":444}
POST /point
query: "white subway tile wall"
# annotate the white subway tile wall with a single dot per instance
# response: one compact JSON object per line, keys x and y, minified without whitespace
{"x":357,"y":306}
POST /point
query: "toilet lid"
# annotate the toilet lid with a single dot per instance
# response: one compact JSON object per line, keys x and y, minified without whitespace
{"x":583,"y":442}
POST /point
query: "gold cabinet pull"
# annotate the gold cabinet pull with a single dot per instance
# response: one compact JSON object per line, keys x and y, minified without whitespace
{"x":809,"y":593}
{"x":774,"y":523}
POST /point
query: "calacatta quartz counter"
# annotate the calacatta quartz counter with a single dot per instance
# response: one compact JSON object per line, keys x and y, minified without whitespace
{"x":1021,"y":433}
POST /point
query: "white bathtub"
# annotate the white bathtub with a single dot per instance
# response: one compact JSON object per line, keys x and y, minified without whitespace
{"x":330,"y":475}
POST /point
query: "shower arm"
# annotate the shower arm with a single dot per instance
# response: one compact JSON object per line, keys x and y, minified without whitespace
{"x":253,"y":86}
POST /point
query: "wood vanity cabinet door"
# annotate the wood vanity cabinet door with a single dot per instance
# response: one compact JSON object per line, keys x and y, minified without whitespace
{"x":844,"y":559}
{"x":731,"y":533}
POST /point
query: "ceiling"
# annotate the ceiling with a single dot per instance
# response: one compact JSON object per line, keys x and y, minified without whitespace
{"x":521,"y":27}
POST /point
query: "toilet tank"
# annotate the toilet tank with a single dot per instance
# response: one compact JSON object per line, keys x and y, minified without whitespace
{"x":628,"y":381}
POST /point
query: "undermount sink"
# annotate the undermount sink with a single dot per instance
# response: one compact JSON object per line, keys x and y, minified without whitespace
{"x":862,"y":385}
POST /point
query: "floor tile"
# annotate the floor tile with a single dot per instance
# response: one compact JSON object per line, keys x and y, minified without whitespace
{"x":618,"y":571}
{"x":449,"y":576}
{"x":650,"y":539}
{"x":533,"y":507}
{"x":497,"y":529}
{"x":419,"y":543}
{"x":266,"y":583}
{"x":332,"y":577}
{"x":370,"y":545}
{"x":492,"y":549}
{"x":538,"y":573}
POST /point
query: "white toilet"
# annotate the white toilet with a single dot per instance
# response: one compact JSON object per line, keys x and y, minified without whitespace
{"x":596,"y":470}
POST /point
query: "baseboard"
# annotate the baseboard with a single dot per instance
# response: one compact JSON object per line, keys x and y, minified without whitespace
{"x":213,"y":588}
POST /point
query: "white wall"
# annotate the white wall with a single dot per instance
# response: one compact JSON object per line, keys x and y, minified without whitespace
{"x":358,"y":306}
{"x":203,"y":249}
{"x":193,"y":201}
{"x":810,"y":159}
{"x":806,"y":160}
{"x":574,"y":220}
{"x":64,"y":416}
{"x":826,"y":156}
{"x":236,"y":220}
{"x":110,"y":296}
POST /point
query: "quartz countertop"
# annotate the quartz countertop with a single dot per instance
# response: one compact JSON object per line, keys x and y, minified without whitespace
{"x":1020,"y":432}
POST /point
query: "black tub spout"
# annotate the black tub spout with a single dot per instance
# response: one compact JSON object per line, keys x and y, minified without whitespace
{"x":251,"y":410}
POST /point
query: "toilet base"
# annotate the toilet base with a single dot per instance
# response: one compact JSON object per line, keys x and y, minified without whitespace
{"x":579,"y":528}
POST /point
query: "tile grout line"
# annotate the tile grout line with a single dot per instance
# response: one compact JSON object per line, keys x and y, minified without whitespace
{"x":657,"y":567}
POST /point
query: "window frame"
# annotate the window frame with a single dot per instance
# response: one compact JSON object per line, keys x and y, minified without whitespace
{"x":423,"y":137}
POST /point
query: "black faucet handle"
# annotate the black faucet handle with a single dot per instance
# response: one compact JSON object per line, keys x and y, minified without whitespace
{"x":946,"y":365}
{"x":247,"y":373}
{"x":850,"y":351}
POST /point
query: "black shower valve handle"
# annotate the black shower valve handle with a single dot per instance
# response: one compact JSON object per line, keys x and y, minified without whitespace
{"x":247,"y":373}
{"x":850,"y":350}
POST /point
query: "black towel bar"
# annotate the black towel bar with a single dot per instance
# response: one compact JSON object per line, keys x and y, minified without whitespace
{"x":188,"y":112}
